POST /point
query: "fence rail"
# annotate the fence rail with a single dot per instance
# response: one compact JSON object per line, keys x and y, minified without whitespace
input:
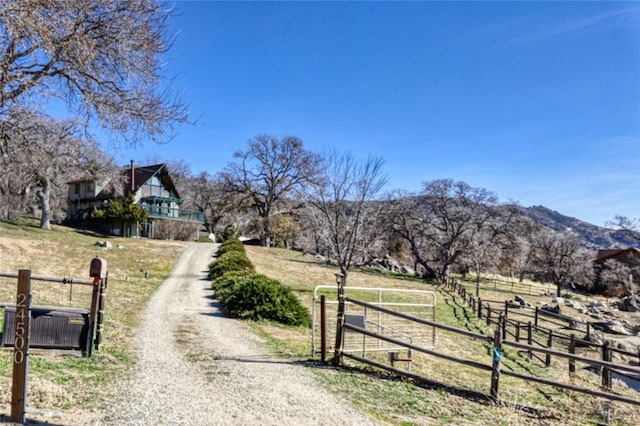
{"x":605,"y":365}
{"x":492,"y":315}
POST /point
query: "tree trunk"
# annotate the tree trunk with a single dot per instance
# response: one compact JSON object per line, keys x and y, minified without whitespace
{"x":44,"y":197}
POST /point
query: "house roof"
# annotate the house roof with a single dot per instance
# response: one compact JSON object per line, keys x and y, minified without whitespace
{"x":140,"y":175}
{"x":604,"y":255}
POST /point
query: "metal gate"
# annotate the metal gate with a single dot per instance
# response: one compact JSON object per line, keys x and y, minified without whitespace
{"x":417,"y":303}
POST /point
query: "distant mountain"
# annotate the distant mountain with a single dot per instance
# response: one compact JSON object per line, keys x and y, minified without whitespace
{"x":595,"y":237}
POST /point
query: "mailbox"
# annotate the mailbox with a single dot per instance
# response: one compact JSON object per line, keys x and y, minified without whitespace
{"x":98,"y":268}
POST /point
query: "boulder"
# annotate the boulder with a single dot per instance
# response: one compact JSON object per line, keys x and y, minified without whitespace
{"x":612,"y":327}
{"x":105,"y":244}
{"x":629,"y":304}
{"x":520,"y":300}
{"x":578,"y":324}
{"x":407,"y":270}
{"x":553,"y":309}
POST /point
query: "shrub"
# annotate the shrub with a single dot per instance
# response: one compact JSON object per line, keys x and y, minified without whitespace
{"x":231,"y":245}
{"x":231,"y":261}
{"x":258,"y":297}
{"x":230,"y":232}
{"x":228,"y":280}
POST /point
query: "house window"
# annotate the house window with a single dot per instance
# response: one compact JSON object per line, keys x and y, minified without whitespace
{"x":90,"y":187}
{"x":77,"y":189}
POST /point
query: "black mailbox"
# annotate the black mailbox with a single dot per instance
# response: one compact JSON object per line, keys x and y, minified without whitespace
{"x":52,"y":328}
{"x":98,"y":268}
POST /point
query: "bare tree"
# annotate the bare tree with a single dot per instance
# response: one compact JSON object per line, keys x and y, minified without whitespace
{"x":408,"y":219}
{"x":44,"y":154}
{"x":345,"y":198}
{"x":101,"y":58}
{"x":560,"y":259}
{"x":270,"y":173}
{"x":440,"y":223}
{"x":630,"y":226}
{"x":207,"y":194}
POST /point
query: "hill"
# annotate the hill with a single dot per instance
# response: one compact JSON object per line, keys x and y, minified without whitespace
{"x":595,"y":237}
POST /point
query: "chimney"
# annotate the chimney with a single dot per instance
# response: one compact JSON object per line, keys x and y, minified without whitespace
{"x":133,"y":175}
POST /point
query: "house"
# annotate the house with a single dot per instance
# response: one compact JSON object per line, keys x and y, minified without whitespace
{"x":629,"y":256}
{"x":152,"y":188}
{"x":606,"y":260}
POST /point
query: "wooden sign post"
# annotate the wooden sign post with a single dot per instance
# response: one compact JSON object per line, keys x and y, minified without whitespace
{"x":21,"y":348}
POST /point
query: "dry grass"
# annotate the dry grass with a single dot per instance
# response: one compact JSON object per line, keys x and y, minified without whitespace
{"x":456,"y":394}
{"x":70,"y":382}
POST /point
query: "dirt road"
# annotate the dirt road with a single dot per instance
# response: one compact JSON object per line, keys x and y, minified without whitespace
{"x":197,"y":367}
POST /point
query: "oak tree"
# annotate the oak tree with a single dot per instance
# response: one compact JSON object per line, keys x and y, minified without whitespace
{"x":269,"y":174}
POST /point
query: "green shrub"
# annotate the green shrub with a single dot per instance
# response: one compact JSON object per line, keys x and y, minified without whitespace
{"x":231,"y":261}
{"x":230,"y":232}
{"x":258,"y":297}
{"x":231,"y":245}
{"x":227,"y":281}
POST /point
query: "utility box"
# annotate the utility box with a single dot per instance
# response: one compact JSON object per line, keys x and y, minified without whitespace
{"x":51,"y":328}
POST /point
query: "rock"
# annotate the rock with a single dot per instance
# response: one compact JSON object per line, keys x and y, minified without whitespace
{"x":629,"y":304}
{"x":407,"y":270}
{"x":553,"y":309}
{"x":618,"y":327}
{"x":557,"y":300}
{"x":629,"y":344}
{"x":613,"y":327}
{"x":578,"y":324}
{"x":520,"y":300}
{"x":105,"y":244}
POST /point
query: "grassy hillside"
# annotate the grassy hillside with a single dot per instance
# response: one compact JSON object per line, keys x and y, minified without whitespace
{"x":69,"y":382}
{"x":74,"y":384}
{"x":457,"y":394}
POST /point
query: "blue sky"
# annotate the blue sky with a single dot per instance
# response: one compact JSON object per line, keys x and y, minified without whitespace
{"x":538,"y":102}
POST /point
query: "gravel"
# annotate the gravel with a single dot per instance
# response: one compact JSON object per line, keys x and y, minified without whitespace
{"x":197,"y":367}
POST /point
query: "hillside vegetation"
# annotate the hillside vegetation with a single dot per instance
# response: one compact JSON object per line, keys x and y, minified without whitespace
{"x":456,"y":394}
{"x":136,"y":269}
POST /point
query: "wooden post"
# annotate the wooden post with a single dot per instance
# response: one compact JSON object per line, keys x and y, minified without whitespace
{"x":323,"y":328}
{"x":518,"y":331}
{"x":21,"y":348}
{"x":547,"y":360}
{"x":572,"y":351}
{"x":503,"y":323}
{"x":337,"y":355}
{"x":495,"y":369}
{"x":488,"y":314}
{"x":101,"y":301}
{"x":479,"y":308}
{"x":535,"y":317}
{"x":506,"y":309}
{"x":529,"y":337}
{"x":606,"y":372}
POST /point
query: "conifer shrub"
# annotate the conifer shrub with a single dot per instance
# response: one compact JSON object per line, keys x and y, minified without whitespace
{"x":230,"y":245}
{"x":226,"y":282}
{"x":230,"y":261}
{"x":257,"y":297}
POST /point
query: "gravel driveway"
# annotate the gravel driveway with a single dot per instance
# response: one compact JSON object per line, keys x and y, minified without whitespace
{"x":197,"y":367}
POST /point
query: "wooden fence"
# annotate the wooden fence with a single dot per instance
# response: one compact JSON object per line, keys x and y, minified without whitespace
{"x":534,"y":333}
{"x":498,"y":345}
